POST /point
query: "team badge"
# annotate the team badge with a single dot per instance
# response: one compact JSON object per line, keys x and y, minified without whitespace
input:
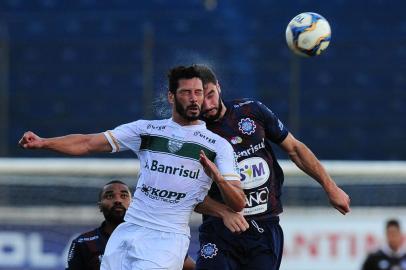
{"x":247,"y":126}
{"x":383,"y":264}
{"x":236,"y":140}
{"x":209,"y":250}
{"x":174,"y":146}
{"x":403,"y":264}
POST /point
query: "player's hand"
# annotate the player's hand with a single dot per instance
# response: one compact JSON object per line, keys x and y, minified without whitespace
{"x":209,"y":167}
{"x":339,"y":200}
{"x":30,"y":140}
{"x":235,"y":221}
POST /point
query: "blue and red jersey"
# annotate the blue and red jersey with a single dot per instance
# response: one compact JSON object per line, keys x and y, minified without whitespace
{"x":251,"y":127}
{"x":86,"y":251}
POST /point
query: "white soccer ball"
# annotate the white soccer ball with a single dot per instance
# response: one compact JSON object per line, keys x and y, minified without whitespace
{"x":308,"y":34}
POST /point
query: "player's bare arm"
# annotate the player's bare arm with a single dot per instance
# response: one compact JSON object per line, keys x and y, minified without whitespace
{"x":304,"y":158}
{"x":231,"y":191}
{"x":234,"y":221}
{"x":74,"y":144}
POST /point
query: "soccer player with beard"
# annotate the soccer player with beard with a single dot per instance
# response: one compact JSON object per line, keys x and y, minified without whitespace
{"x":251,"y":127}
{"x":87,"y":250}
{"x":179,"y":160}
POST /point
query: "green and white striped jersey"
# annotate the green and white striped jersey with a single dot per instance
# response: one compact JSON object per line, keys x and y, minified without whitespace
{"x":172,"y":180}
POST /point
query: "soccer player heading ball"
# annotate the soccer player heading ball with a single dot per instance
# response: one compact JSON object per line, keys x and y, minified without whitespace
{"x":251,"y":128}
{"x":179,"y":160}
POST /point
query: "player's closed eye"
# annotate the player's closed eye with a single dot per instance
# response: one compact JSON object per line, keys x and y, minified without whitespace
{"x":199,"y":92}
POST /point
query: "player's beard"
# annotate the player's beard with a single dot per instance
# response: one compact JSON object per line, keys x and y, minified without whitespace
{"x":214,"y":118}
{"x":112,"y":216}
{"x":183,"y":111}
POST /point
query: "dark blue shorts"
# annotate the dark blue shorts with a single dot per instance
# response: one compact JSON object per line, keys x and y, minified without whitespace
{"x":258,"y":248}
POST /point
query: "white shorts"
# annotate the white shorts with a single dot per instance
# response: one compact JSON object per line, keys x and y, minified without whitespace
{"x":132,"y":247}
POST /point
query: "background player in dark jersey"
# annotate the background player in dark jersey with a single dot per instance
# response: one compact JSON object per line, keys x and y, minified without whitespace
{"x":392,"y":255}
{"x":251,"y":128}
{"x":86,"y":250}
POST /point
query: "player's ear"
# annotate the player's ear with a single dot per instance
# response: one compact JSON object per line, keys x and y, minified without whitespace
{"x":100,"y":206}
{"x":171,"y":97}
{"x":218,"y":87}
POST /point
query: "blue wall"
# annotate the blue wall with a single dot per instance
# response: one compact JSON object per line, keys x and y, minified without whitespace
{"x":77,"y":66}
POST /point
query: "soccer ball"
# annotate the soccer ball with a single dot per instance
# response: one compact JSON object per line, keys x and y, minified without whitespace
{"x":308,"y":34}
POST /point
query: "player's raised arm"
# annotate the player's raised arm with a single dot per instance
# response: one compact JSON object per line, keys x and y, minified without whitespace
{"x":73,"y":144}
{"x":301,"y":155}
{"x":231,"y":190}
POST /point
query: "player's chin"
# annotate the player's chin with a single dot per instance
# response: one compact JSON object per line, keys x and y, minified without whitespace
{"x":209,"y":113}
{"x":118,"y":217}
{"x":193,"y":114}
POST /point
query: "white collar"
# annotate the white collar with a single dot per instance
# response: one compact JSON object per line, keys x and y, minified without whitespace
{"x":200,"y":125}
{"x":391,"y":253}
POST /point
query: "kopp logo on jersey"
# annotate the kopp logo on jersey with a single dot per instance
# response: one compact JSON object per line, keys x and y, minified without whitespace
{"x":254,"y":172}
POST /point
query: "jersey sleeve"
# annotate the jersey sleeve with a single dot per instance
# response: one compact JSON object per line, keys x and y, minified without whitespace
{"x":226,"y":161}
{"x":124,"y":137}
{"x":275,"y":130}
{"x":75,"y":259}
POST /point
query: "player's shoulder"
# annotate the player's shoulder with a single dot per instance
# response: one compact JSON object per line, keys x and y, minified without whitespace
{"x":160,"y":124}
{"x":241,"y":102}
{"x":208,"y":136}
{"x":87,"y":236}
{"x":217,"y":141}
{"x":377,"y":253}
{"x":148,"y":125}
{"x":245,"y":104}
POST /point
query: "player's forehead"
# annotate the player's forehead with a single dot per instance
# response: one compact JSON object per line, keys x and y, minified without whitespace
{"x":115,"y":188}
{"x":190,"y":84}
{"x":392,"y":229}
{"x":210,"y":88}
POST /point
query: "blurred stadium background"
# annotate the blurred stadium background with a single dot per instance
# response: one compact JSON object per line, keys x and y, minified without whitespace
{"x":89,"y":65}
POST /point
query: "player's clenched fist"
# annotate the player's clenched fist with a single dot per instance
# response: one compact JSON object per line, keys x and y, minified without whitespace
{"x":30,"y":140}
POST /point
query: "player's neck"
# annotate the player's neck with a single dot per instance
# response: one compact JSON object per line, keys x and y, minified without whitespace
{"x":110,"y":227}
{"x":223,"y":111}
{"x":183,"y":121}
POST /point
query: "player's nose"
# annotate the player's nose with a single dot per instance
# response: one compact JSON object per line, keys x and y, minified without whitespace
{"x":118,"y":200}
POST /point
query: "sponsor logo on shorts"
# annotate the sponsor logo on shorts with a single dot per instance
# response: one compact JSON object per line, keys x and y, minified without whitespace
{"x":162,"y":194}
{"x":208,"y":251}
{"x":247,"y":126}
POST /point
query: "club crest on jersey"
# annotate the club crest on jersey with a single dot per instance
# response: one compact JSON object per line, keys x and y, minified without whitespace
{"x":208,"y":251}
{"x":236,"y":140}
{"x":247,"y":126}
{"x":174,"y":146}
